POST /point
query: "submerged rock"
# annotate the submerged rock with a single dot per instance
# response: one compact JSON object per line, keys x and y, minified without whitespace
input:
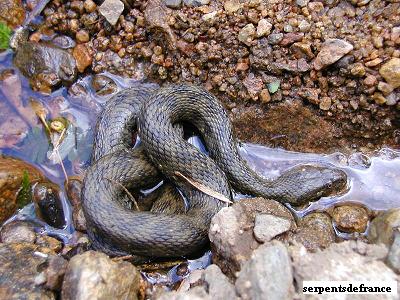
{"x":267,"y":275}
{"x":383,"y":226}
{"x":93,"y":275}
{"x":231,"y":231}
{"x":45,"y":66}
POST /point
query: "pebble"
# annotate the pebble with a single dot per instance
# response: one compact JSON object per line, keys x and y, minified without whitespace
{"x":232,"y":6}
{"x":331,"y":51}
{"x":357,"y":70}
{"x":267,"y":227}
{"x":275,"y":38}
{"x":90,"y":6}
{"x":385,"y":88}
{"x":304,"y":26}
{"x":173,"y":3}
{"x":111,"y":10}
{"x":378,"y":98}
{"x":374,"y":62}
{"x":350,"y":218}
{"x":265,"y":96}
{"x":301,"y":50}
{"x":82,"y":57}
{"x":82,"y":36}
{"x":391,"y":72}
{"x":325,"y":103}
{"x":196,"y":2}
{"x":247,"y":34}
{"x":263,"y":28}
{"x":302,"y":3}
{"x":370,"y":80}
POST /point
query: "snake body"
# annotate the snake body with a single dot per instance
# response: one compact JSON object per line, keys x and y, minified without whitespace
{"x":169,"y":230}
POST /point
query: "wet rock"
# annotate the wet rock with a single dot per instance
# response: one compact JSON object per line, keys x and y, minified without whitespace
{"x":267,"y":275}
{"x":217,"y":284}
{"x":13,"y":172}
{"x":393,"y":258}
{"x":331,"y":51}
{"x":267,"y":227}
{"x":12,"y":12}
{"x":63,"y":42}
{"x":73,"y":188}
{"x":315,"y":231}
{"x":173,"y":3}
{"x":231,"y":231}
{"x":45,"y":66}
{"x":263,"y":28}
{"x":196,"y":293}
{"x":103,"y":85}
{"x":51,"y":244}
{"x":247,"y":34}
{"x":350,"y":218}
{"x":111,"y":10}
{"x":18,"y":232}
{"x":20,"y":272}
{"x":391,"y":72}
{"x":92,"y":275}
{"x":82,"y":56}
{"x":383,"y":226}
{"x":345,"y":261}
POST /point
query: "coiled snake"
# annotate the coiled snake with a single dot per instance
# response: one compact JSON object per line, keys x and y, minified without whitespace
{"x":169,"y":230}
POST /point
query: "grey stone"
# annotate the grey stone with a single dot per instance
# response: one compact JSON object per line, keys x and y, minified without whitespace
{"x":267,"y":275}
{"x":304,"y":26}
{"x":302,"y":3}
{"x":196,"y":293}
{"x":263,"y":28}
{"x":18,"y":232}
{"x":111,"y":10}
{"x":173,"y":3}
{"x":93,"y":275}
{"x":275,"y":38}
{"x":247,"y":34}
{"x":196,"y":2}
{"x":218,"y":285}
{"x":267,"y":227}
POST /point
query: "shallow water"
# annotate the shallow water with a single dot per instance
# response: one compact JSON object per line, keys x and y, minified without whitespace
{"x":373,"y":180}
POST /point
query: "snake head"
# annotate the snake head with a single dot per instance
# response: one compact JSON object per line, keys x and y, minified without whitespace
{"x":309,"y":182}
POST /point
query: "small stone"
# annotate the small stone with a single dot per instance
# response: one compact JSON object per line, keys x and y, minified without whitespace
{"x":370,"y":80}
{"x":89,"y":6}
{"x":275,"y":38}
{"x":232,"y":6}
{"x":111,"y":10}
{"x":253,"y":84}
{"x":373,"y":63}
{"x":377,"y":41}
{"x":290,"y":38}
{"x":195,"y":3}
{"x":82,"y":57}
{"x":311,"y":94}
{"x":300,"y":50}
{"x":287,"y":28}
{"x":247,"y":34}
{"x":263,"y":28}
{"x":218,"y":284}
{"x":331,"y":51}
{"x":385,"y":88}
{"x":210,"y":16}
{"x":392,"y":99}
{"x":267,"y":275}
{"x":350,"y":218}
{"x":267,"y":227}
{"x":354,"y":104}
{"x":302,"y":3}
{"x":391,"y":72}
{"x":393,"y":259}
{"x":379,"y":98}
{"x":242,"y":66}
{"x":304,"y":26}
{"x":173,"y":3}
{"x":395,"y":35}
{"x":357,"y":70}
{"x":265,"y":96}
{"x":325,"y":103}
